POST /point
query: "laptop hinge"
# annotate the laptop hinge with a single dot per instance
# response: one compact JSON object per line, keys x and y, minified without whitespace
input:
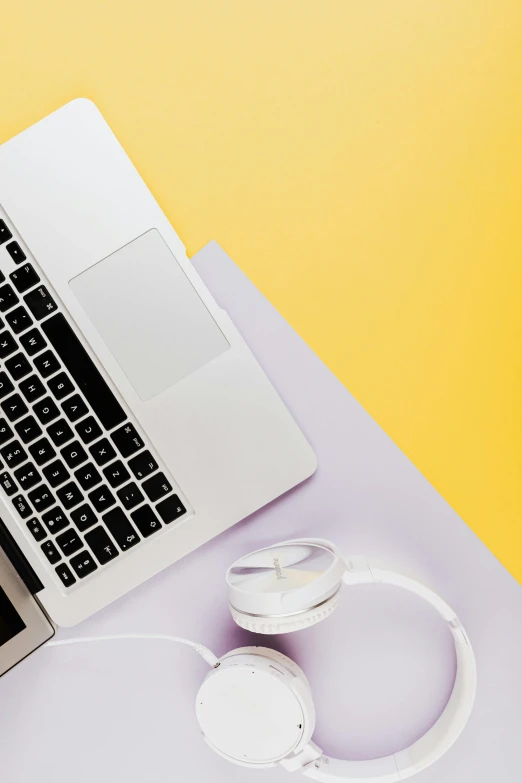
{"x":18,"y":560}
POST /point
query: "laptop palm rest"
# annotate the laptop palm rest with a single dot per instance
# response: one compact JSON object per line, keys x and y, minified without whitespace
{"x":149,"y":315}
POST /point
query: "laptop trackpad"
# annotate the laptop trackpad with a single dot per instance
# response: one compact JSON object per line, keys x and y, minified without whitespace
{"x":148,"y":313}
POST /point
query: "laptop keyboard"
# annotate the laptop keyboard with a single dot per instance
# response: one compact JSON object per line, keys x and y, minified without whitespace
{"x":73,"y":463}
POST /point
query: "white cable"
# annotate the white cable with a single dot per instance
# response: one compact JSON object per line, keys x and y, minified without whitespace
{"x":205,"y":653}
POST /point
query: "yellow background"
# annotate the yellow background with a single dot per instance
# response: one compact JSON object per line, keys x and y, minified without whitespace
{"x":362,"y":161}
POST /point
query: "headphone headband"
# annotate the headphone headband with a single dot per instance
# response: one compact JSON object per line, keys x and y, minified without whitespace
{"x":442,"y":735}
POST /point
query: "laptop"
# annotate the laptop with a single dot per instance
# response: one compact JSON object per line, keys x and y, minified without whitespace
{"x":135,"y":423}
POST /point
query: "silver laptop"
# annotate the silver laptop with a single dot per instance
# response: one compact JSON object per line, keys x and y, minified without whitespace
{"x":135,"y":424}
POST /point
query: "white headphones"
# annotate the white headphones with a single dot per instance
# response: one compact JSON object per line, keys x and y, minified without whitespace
{"x":255,"y":707}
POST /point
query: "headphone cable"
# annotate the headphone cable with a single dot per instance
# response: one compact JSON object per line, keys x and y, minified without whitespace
{"x":205,"y":653}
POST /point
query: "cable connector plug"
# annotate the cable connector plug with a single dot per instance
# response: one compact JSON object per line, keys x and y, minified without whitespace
{"x":206,"y":654}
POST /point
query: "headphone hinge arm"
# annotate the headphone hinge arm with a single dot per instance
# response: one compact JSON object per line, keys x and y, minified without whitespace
{"x":358,"y":571}
{"x":302,"y":759}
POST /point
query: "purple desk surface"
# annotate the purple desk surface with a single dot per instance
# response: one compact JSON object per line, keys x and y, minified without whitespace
{"x":381,"y":668}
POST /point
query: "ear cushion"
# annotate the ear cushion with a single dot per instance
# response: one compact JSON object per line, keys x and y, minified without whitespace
{"x":285,"y":624}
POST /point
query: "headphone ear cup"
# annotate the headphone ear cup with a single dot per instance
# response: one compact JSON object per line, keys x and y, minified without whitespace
{"x":285,"y":587}
{"x":285,"y":624}
{"x":256,"y":707}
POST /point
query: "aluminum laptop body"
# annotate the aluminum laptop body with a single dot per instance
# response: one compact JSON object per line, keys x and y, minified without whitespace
{"x":135,"y":423}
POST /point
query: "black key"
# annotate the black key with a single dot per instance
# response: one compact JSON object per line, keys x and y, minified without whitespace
{"x":170,"y":509}
{"x":18,"y":366}
{"x":60,"y":386}
{"x":42,"y":451}
{"x":19,"y":320}
{"x":102,"y":546}
{"x":130,"y":496}
{"x":8,"y":298}
{"x":28,"y":429}
{"x":143,"y":464}
{"x":74,"y":408}
{"x":56,"y":473}
{"x":5,"y":233}
{"x":87,"y":476}
{"x":88,"y":429}
{"x":7,"y":484}
{"x":2,"y":280}
{"x":33,"y":342}
{"x":27,"y":476}
{"x":156,"y":487}
{"x":7,"y":344}
{"x":46,"y":410}
{"x":13,"y":454}
{"x":121,"y":529}
{"x":51,"y":552}
{"x":83,"y":370}
{"x":6,"y":386}
{"x":22,"y":506}
{"x":16,"y":252}
{"x":146,"y":521}
{"x":36,"y":529}
{"x":101,"y":498}
{"x":55,"y":520}
{"x":14,"y":407}
{"x":84,"y":517}
{"x":69,"y":542}
{"x":74,"y":454}
{"x":41,"y":498}
{"x":60,"y":432}
{"x":6,"y":433}
{"x":47,"y":364}
{"x":32,"y":388}
{"x":127,"y":440}
{"x":24,"y":278}
{"x":65,"y":574}
{"x":84,"y":564}
{"x":40,"y":302}
{"x":70,"y":495}
{"x":102,"y":452}
{"x":116,"y":473}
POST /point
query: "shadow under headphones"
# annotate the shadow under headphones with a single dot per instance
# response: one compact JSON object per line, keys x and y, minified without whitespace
{"x":255,"y":707}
